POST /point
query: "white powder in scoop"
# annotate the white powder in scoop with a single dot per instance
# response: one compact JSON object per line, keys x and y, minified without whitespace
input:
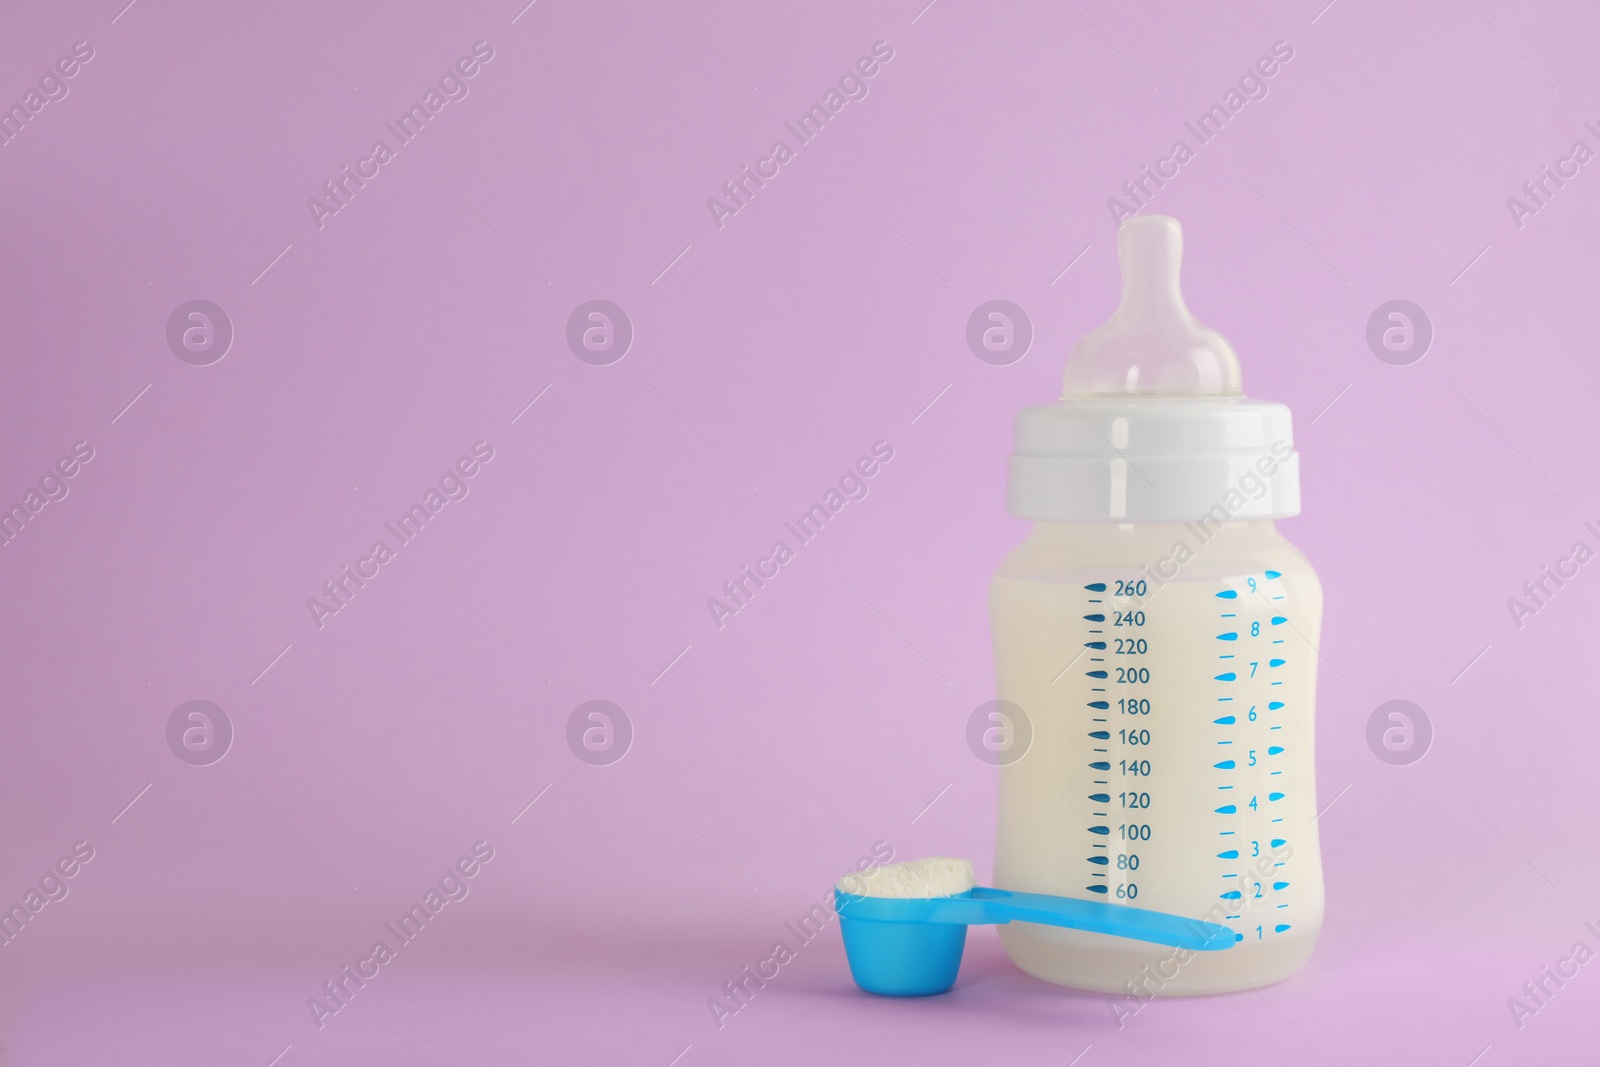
{"x":937,"y":876}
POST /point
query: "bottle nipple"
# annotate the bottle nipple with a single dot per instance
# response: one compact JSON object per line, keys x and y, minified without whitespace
{"x":1152,"y":345}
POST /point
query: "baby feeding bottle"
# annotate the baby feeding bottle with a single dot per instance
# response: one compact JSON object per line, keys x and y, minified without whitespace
{"x":1157,"y":637}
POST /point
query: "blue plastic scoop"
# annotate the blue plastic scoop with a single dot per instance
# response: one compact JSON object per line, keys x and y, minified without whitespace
{"x":911,"y":946}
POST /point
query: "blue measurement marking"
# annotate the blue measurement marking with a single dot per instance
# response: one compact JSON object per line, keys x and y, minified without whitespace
{"x":1100,"y":765}
{"x":1224,"y":742}
{"x":1278,"y":597}
{"x":1223,"y":700}
{"x":1099,"y":705}
{"x":1277,"y":820}
{"x":1101,"y":860}
{"x":1100,"y":735}
{"x":1100,"y":798}
{"x":1094,"y":674}
{"x":1274,"y":796}
{"x":1229,"y":594}
{"x":1098,"y":646}
{"x":1096,"y":587}
{"x":1101,"y":830}
{"x":1278,"y":620}
{"x":1273,"y":574}
{"x":1233,"y":854}
{"x":1277,"y":683}
{"x":1278,"y":842}
{"x":1274,"y":727}
{"x":1225,"y":833}
{"x":1095,"y":618}
{"x":1278,"y":641}
{"x":1275,"y":773}
{"x":1276,"y":662}
{"x":1096,"y":888}
{"x":1281,"y":927}
{"x":1275,"y":750}
{"x":1229,"y":615}
{"x":1274,"y":705}
{"x":1280,"y":885}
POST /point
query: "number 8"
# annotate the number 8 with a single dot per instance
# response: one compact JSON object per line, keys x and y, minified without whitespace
{"x":1255,"y":629}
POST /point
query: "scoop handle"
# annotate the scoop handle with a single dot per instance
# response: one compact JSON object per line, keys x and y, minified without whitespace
{"x":1118,"y":920}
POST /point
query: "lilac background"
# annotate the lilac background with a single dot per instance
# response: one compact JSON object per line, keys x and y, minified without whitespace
{"x":823,"y":317}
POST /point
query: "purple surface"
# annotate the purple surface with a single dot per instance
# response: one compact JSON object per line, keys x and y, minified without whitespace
{"x":829,"y":313}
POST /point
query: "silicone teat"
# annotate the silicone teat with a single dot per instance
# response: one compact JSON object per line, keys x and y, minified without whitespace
{"x":1152,"y":346}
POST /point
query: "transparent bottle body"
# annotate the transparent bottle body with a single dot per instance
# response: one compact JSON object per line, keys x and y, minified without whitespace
{"x":1167,"y":673}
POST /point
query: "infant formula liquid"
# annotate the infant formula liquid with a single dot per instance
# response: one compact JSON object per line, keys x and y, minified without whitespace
{"x":1171,"y":762}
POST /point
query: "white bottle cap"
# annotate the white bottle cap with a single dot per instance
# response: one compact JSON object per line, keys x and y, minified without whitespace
{"x":1152,"y":426}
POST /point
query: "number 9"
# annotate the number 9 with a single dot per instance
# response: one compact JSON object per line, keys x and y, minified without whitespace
{"x":1251,"y":582}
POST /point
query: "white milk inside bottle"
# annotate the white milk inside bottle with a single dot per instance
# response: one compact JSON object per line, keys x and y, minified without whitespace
{"x":1155,"y":651}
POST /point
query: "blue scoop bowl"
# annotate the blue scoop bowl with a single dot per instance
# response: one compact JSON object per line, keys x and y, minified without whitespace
{"x":911,"y":947}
